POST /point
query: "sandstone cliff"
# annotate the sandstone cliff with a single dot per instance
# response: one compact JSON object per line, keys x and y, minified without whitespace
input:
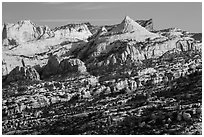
{"x":24,"y":31}
{"x":79,"y":31}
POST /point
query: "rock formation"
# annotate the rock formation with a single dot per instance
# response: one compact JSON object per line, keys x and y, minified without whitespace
{"x":147,"y":24}
{"x":129,"y":26}
{"x":23,"y":73}
{"x":93,"y":29}
{"x":52,"y":66}
{"x":72,"y":66}
{"x":99,"y":33}
{"x":130,"y":44}
{"x":124,"y":44}
{"x":24,"y":31}
{"x":4,"y":68}
{"x":79,"y":31}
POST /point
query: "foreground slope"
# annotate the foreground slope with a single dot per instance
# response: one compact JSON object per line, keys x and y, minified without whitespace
{"x":69,"y":105}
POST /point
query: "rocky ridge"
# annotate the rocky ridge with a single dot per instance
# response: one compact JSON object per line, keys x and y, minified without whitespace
{"x":79,"y":31}
{"x":130,"y":26}
{"x":112,"y":48}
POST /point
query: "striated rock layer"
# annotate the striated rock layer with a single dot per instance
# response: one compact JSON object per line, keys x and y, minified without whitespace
{"x":79,"y":31}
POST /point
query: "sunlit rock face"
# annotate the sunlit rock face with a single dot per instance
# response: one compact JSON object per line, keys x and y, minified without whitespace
{"x":79,"y":31}
{"x":24,"y":31}
{"x":128,"y":43}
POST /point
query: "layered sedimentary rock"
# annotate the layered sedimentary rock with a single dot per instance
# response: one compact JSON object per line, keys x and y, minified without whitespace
{"x":79,"y":31}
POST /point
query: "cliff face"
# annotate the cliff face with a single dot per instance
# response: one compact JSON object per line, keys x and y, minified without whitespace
{"x":79,"y":31}
{"x":27,"y":31}
{"x":30,"y":42}
{"x":24,"y":31}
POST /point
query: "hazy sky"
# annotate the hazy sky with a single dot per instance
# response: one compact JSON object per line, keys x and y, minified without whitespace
{"x":187,"y":16}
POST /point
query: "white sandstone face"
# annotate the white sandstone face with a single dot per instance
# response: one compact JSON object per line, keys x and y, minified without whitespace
{"x":20,"y":38}
{"x":128,"y":25}
{"x":76,"y":31}
{"x":25,"y":31}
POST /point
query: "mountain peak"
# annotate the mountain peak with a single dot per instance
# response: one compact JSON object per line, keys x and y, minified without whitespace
{"x":128,"y":25}
{"x":127,"y":18}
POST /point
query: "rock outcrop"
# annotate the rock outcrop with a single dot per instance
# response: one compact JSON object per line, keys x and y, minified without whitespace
{"x":93,"y":29}
{"x":172,"y":33}
{"x":36,"y":52}
{"x":147,"y":24}
{"x":52,"y":66}
{"x":122,"y":52}
{"x":124,"y":44}
{"x":24,"y":31}
{"x":4,"y":68}
{"x":128,"y":30}
{"x":129,"y":26}
{"x":102,"y":31}
{"x":79,"y":31}
{"x":72,"y":66}
{"x":23,"y":73}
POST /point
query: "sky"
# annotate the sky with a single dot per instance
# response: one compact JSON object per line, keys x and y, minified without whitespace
{"x":184,"y":15}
